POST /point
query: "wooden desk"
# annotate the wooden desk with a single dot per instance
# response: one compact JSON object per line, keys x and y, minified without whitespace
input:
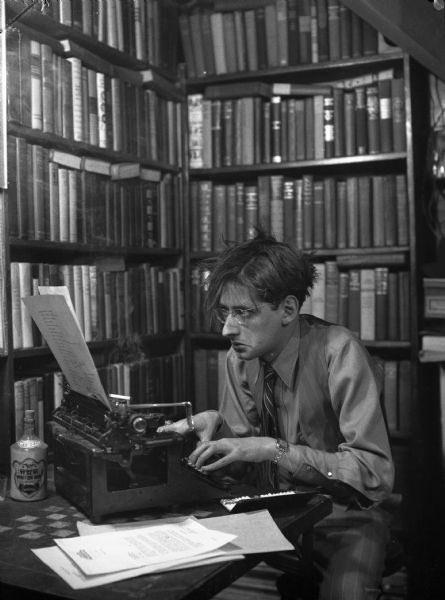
{"x":25,"y":525}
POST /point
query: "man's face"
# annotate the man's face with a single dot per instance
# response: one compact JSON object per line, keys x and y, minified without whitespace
{"x":258,"y":332}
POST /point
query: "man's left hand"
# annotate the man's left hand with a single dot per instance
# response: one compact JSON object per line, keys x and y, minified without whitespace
{"x":223,"y":452}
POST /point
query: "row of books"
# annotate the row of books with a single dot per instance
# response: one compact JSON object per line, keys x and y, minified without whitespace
{"x":144,"y":29}
{"x":254,"y":130}
{"x":235,"y":37}
{"x":373,"y":303}
{"x":145,"y":380}
{"x":307,"y":212}
{"x":209,"y":369}
{"x":63,"y":197}
{"x":101,"y":105}
{"x":142,"y":300}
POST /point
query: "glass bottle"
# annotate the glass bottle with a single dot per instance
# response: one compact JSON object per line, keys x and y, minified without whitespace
{"x":28,"y":464}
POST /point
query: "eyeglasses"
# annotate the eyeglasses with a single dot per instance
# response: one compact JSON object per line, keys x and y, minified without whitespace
{"x":241,"y":315}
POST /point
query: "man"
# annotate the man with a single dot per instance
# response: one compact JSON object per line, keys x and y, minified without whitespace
{"x":328,"y":429}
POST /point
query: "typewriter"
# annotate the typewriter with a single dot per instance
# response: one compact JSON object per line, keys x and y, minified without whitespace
{"x":110,"y":459}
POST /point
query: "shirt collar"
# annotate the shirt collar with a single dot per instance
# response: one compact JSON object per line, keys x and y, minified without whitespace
{"x":285,"y":363}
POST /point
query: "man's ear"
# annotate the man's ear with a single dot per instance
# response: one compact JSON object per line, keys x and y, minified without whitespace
{"x":290,"y":309}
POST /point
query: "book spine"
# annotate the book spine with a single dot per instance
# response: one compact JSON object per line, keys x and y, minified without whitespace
{"x":354,"y":308}
{"x":373,"y":118}
{"x":381,"y":303}
{"x":186,"y":37}
{"x":216,"y":128}
{"x":328,"y":126}
{"x":352,"y":212}
{"x":332,"y":292}
{"x":322,"y":30}
{"x":277,"y":206}
{"x":251,"y":211}
{"x":390,"y":210}
{"x":345,"y":31}
{"x":308,"y":211}
{"x":36,"y":85}
{"x":37,"y":214}
{"x":299,"y":214}
{"x":219,"y":218}
{"x":385,"y":115}
{"x":339,"y":122}
{"x":276,"y":129}
{"x":330,"y":213}
{"x":343,"y":298}
{"x":402,"y":210}
{"x":207,"y":41}
{"x":288,"y":210}
{"x":251,"y":40}
{"x":47,"y":89}
{"x":205,"y":211}
{"x":341,"y":214}
{"x":241,"y":43}
{"x":229,"y":41}
{"x":195,"y":121}
{"x":304,"y":31}
{"x":318,"y":212}
{"x":282,"y":33}
{"x":393,"y":306}
{"x":101,"y":110}
{"x":349,"y":122}
{"x":398,"y":114}
{"x":293,"y":26}
{"x":333,"y":7}
{"x":240,"y":195}
{"x":361,"y":121}
{"x":309,"y":129}
{"x":378,"y":211}
{"x":260,"y":27}
{"x":319,"y":133}
{"x":356,"y":36}
{"x":364,"y":210}
{"x":76,"y":79}
{"x":404,"y":305}
{"x":367,"y":304}
{"x":197,"y":42}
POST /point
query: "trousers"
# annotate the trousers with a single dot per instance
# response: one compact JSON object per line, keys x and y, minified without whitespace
{"x":349,"y":552}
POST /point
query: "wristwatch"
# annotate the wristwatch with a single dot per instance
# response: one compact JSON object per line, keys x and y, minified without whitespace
{"x":281,"y":447}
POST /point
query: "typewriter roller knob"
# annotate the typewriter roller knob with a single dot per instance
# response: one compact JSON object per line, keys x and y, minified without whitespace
{"x":138,"y":424}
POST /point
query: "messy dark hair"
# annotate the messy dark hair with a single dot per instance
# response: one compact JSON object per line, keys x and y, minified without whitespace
{"x":269,"y":269}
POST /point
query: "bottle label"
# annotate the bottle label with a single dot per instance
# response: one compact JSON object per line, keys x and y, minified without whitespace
{"x":29,"y":477}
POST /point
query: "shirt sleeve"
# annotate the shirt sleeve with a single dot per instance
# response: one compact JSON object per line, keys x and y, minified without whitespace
{"x":363,"y":460}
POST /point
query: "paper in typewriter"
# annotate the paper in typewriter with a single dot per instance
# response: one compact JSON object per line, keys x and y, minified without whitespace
{"x":61,"y":330}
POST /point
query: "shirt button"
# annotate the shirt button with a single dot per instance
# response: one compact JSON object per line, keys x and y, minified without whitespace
{"x":329,"y":473}
{"x":308,"y":468}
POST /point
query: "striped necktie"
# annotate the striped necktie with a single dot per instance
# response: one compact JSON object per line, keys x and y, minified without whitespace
{"x":269,"y":427}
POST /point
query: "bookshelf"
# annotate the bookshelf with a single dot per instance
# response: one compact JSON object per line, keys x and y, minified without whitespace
{"x":352,"y":199}
{"x":92,"y":133}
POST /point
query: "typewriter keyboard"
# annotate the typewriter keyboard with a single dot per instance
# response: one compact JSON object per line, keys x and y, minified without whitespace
{"x":274,"y":500}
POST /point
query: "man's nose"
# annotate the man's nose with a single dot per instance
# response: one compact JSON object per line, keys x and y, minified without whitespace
{"x":230,"y":326}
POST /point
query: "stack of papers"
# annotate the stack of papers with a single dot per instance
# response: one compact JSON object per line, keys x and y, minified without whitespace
{"x":107,"y":553}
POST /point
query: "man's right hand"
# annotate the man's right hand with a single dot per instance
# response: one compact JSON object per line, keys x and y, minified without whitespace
{"x":206,"y":424}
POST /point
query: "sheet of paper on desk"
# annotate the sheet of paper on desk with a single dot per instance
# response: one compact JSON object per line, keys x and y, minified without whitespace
{"x":127,"y":549}
{"x":256,"y":531}
{"x":55,"y":320}
{"x":59,"y":562}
